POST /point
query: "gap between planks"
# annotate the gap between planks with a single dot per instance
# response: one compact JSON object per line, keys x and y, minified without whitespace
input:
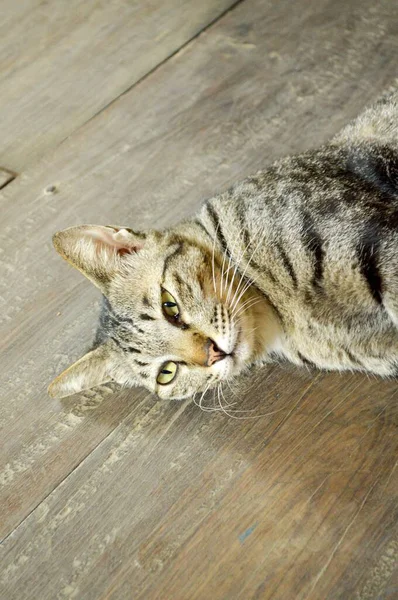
{"x":154,"y":69}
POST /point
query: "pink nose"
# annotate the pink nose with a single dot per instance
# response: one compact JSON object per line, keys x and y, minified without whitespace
{"x":214,"y":353}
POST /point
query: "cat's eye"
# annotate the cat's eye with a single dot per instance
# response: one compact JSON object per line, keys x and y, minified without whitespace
{"x":169,"y":305}
{"x":167,"y":373}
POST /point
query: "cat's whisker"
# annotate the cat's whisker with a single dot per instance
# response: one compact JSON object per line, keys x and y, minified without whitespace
{"x":227,"y":381}
{"x":240,"y":293}
{"x":230,"y":266}
{"x":229,"y":413}
{"x":267,"y":414}
{"x":242,"y":278}
{"x":237,"y":264}
{"x":240,"y":283}
{"x":235,"y":267}
{"x":249,"y":280}
{"x":252,"y":330}
{"x":222,"y":271}
{"x":226,"y":401}
{"x":235,"y":410}
{"x":237,"y":305}
{"x":245,"y":270}
{"x":244,"y":304}
{"x":245,"y":307}
{"x":222,"y":407}
{"x":199,"y":404}
{"x":212,"y":260}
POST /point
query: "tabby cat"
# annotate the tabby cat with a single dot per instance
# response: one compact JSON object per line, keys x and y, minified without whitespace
{"x":299,"y":261}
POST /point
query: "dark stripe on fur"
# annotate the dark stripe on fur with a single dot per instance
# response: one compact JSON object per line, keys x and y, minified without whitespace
{"x":305,"y":360}
{"x":117,"y":342}
{"x":313,"y":242}
{"x":368,"y":254}
{"x":146,"y":317}
{"x":200,"y":224}
{"x":200,"y":281}
{"x":218,"y":233}
{"x":146,"y":302}
{"x":119,"y":319}
{"x":125,"y":348}
{"x":352,"y":358}
{"x":287,"y":264}
{"x":376,"y":164}
{"x":181,"y":282}
{"x":177,"y":251}
{"x":133,"y":350}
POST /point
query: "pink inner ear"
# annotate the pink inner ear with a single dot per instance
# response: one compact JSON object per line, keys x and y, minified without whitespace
{"x":120,"y":240}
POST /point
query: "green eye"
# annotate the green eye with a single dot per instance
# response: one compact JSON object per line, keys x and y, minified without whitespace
{"x":169,"y":305}
{"x":167,"y":373}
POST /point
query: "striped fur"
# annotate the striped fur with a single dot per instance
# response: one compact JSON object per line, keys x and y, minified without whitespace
{"x":298,"y":261}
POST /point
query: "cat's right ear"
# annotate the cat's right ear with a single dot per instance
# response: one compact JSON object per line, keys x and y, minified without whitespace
{"x":97,"y":251}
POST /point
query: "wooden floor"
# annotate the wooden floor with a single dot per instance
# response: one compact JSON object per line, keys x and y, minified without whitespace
{"x":133,"y":112}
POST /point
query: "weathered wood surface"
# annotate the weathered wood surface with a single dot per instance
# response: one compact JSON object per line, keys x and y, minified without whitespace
{"x":162,"y":500}
{"x":62,"y":62}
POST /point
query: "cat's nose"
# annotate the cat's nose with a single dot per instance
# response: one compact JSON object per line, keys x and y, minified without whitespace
{"x":214,"y":353}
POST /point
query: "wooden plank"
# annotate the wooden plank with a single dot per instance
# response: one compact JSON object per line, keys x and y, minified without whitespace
{"x":167,"y":501}
{"x":61,"y":64}
{"x":179,"y":504}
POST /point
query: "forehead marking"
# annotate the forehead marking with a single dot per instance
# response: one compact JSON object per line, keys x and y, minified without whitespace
{"x":146,"y":302}
{"x":125,"y":348}
{"x":140,"y":363}
{"x":176,"y":252}
{"x":182,"y":283}
{"x":146,"y":317}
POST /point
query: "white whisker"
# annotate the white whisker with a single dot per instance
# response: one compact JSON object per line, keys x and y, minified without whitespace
{"x":247,"y":285}
{"x":222,"y":271}
{"x":245,"y":269}
{"x":199,"y":404}
{"x":212,"y":260}
{"x":245,"y":307}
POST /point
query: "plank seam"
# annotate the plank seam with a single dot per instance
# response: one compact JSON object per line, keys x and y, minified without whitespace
{"x":154,"y":69}
{"x":79,"y":464}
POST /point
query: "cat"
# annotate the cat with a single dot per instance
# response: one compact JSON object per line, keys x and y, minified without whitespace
{"x":299,"y":261}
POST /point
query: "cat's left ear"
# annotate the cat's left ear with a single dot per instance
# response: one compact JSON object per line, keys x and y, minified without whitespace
{"x":97,"y":251}
{"x":91,"y":370}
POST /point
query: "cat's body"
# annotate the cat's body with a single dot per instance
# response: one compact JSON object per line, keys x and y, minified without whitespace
{"x":322,"y":245}
{"x":299,"y":261}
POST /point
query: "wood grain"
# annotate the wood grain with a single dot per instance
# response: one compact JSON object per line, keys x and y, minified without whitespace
{"x":121,"y":496}
{"x":62,"y":62}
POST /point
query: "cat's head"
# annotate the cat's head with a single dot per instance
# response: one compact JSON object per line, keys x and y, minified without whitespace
{"x":174,"y":319}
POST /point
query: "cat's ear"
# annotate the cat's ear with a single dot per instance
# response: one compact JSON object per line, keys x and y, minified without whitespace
{"x":97,"y":251}
{"x":91,"y":370}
